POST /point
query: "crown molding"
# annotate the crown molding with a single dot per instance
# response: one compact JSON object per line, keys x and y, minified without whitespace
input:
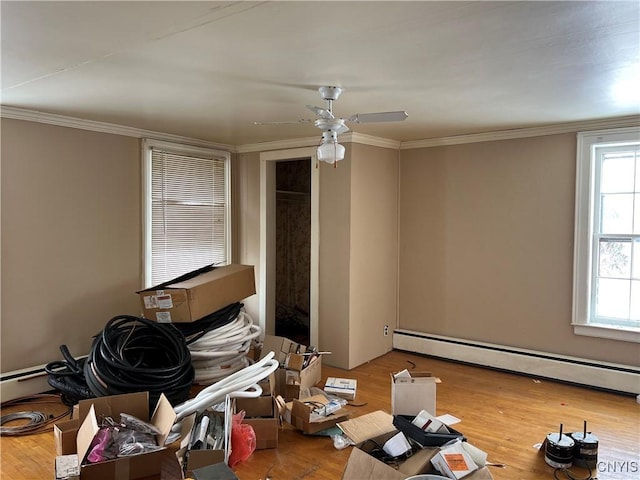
{"x":570,"y":127}
{"x":103,"y":127}
{"x":349,"y":137}
{"x":353,"y":137}
{"x":277,"y":145}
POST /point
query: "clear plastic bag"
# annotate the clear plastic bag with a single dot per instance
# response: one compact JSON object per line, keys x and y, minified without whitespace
{"x":341,"y":442}
{"x":134,"y":423}
{"x":132,"y":442}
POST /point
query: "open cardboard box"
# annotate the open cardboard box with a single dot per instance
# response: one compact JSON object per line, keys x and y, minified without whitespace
{"x":363,"y":466}
{"x":291,"y":379}
{"x":75,"y":436}
{"x":373,"y":429}
{"x":262,"y":414}
{"x":299,"y":415}
{"x":196,"y":459}
{"x":197,"y":294}
{"x":412,"y":392}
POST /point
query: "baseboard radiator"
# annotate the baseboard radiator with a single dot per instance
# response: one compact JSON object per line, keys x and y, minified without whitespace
{"x":591,"y":373}
{"x":21,"y":383}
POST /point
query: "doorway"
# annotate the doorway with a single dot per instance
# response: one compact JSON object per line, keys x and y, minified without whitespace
{"x":292,"y":161}
{"x":293,"y":250}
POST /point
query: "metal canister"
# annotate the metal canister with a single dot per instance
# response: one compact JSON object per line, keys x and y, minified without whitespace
{"x":558,"y":451}
{"x":585,"y":451}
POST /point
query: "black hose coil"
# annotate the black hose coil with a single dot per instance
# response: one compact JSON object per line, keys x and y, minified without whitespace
{"x":133,"y":354}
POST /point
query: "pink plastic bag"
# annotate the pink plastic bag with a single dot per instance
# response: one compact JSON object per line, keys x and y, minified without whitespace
{"x":243,"y":440}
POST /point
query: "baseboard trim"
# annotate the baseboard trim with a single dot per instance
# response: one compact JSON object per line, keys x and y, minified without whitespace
{"x":22,"y":383}
{"x":580,"y":371}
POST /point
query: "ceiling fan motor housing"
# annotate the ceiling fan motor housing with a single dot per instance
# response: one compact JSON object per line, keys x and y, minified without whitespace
{"x":330,"y":93}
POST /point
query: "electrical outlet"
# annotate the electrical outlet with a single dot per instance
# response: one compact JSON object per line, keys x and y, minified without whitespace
{"x":386,"y":330}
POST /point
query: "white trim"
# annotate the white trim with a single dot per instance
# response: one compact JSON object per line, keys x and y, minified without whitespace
{"x":583,"y":233}
{"x":267,"y":274}
{"x":611,"y":376}
{"x":103,"y":127}
{"x":22,"y":386}
{"x":146,"y":146}
{"x":569,"y":127}
{"x":613,"y":333}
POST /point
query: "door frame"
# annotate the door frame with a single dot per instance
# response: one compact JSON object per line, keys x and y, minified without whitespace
{"x":266,"y":282}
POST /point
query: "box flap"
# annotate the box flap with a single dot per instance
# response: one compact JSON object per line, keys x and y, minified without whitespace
{"x":163,"y":417}
{"x":405,"y":376}
{"x":182,"y":278}
{"x":86,"y":432}
{"x":367,"y":426}
{"x":364,"y":467}
{"x":136,"y":404}
{"x":300,"y":415}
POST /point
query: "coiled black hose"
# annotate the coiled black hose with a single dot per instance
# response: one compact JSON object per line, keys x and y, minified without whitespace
{"x":133,"y":354}
{"x":67,"y":376}
{"x":193,"y":331}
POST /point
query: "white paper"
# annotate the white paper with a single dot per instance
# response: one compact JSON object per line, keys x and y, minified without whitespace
{"x":448,"y":419}
{"x":397,"y":445}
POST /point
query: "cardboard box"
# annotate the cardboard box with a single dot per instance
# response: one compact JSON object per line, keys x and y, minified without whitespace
{"x":193,"y":296}
{"x":191,"y":460}
{"x":341,"y":387}
{"x":412,"y":393}
{"x":262,"y":414}
{"x":369,"y":425}
{"x":86,"y":427}
{"x":282,"y":348}
{"x":289,"y":382}
{"x":363,"y":466}
{"x":301,"y":417}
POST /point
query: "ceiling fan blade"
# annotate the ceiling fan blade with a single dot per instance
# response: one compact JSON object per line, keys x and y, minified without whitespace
{"x":321,"y":112}
{"x":285,"y":122}
{"x":378,"y":117}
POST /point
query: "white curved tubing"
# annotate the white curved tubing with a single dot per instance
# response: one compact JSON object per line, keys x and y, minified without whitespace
{"x":235,"y":382}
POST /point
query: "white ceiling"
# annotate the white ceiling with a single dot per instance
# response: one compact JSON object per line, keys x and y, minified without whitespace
{"x":208,"y":70}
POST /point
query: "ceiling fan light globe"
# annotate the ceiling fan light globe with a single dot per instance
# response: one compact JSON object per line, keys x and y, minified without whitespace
{"x":330,"y":152}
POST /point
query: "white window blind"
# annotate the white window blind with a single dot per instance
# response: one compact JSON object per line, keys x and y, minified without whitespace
{"x":187,"y":211}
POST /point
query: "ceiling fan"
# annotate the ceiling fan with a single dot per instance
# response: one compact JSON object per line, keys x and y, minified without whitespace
{"x":330,"y":150}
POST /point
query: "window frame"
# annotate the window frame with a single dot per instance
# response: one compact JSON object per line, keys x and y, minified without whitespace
{"x":584,"y":254}
{"x":180,"y":149}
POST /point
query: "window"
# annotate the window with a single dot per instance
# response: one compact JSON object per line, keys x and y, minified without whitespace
{"x":606,"y":298}
{"x":186,"y":210}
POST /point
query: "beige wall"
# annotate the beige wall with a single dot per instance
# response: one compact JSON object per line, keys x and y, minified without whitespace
{"x":246,"y":182}
{"x":486,"y":246}
{"x":334,"y":329}
{"x":485,"y":243}
{"x":71,"y":238}
{"x":373,"y":250}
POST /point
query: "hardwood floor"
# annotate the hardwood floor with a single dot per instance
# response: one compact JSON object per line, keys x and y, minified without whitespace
{"x":503,"y":414}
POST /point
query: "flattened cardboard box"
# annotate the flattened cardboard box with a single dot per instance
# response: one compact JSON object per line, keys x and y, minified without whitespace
{"x":207,"y":291}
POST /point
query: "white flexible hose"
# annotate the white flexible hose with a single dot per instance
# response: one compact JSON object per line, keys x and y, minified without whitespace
{"x":222,"y":351}
{"x":233,"y":385}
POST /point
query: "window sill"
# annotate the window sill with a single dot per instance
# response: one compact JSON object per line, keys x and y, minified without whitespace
{"x":607,"y":331}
